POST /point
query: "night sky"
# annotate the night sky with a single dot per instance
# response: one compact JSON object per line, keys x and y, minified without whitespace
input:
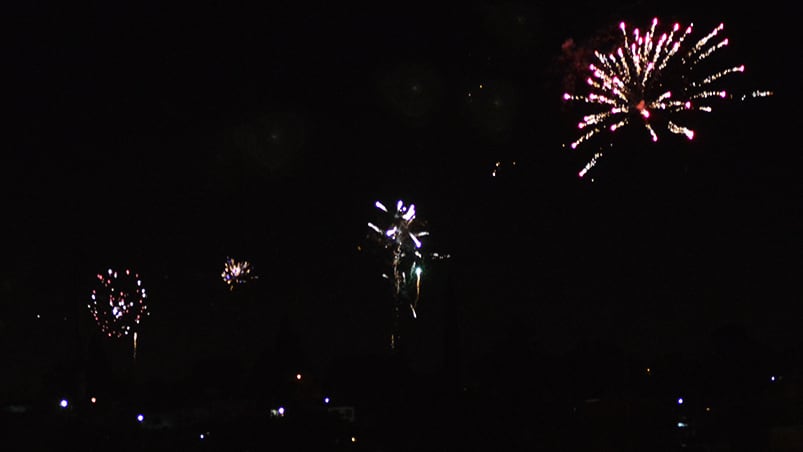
{"x":167,"y":138}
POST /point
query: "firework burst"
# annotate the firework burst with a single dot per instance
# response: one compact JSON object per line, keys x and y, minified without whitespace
{"x":236,"y":272}
{"x":652,"y":80}
{"x":401,"y":235}
{"x":119,"y":304}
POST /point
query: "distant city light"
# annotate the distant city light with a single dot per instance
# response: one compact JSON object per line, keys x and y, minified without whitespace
{"x":93,"y":400}
{"x":772,"y":378}
{"x":680,"y":401}
{"x":298,"y":376}
{"x":140,"y":417}
{"x":281,"y":411}
{"x":682,"y":425}
{"x":326,"y":400}
{"x":353,"y":439}
{"x":63,"y":403}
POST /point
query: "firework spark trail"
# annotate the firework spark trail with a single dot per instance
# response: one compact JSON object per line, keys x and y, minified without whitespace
{"x":417,"y":270}
{"x":118,"y":305}
{"x":632,"y":84}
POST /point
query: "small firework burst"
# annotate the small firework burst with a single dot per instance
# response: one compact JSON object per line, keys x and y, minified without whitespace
{"x":118,"y":305}
{"x":236,"y":272}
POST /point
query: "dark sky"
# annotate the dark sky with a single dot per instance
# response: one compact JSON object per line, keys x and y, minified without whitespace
{"x":167,"y":138}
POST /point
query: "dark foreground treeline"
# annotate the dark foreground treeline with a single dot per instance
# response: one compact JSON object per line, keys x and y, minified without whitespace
{"x":738,"y":397}
{"x":403,"y":411}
